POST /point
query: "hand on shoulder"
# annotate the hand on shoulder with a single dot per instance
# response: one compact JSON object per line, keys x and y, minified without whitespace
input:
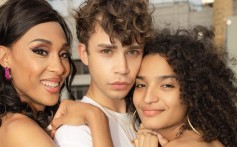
{"x":76,"y":113}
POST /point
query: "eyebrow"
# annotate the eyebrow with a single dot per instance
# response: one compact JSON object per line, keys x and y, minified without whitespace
{"x":41,"y":40}
{"x":49,"y":42}
{"x":163,"y":77}
{"x":110,"y":46}
{"x":136,"y":47}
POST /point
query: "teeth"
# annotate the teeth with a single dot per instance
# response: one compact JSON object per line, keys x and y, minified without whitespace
{"x":50,"y":84}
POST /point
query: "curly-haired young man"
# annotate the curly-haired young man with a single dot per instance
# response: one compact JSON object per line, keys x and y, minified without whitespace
{"x":111,"y":35}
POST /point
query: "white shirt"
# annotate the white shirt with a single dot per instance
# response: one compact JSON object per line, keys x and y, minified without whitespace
{"x":80,"y":136}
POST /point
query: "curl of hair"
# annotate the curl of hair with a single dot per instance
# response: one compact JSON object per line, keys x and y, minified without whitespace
{"x":125,"y":20}
{"x":17,"y":17}
{"x":207,"y":84}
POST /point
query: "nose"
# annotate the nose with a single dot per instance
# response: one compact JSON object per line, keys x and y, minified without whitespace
{"x":56,"y":65}
{"x":151,"y":95}
{"x":122,"y":65}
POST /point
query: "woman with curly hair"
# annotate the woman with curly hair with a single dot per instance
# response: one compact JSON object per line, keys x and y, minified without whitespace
{"x":186,"y":92}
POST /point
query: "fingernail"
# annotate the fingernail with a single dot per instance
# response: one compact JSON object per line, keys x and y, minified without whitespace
{"x":160,"y":136}
{"x":49,"y":127}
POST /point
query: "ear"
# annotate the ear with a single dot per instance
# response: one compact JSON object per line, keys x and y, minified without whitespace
{"x":4,"y":56}
{"x":83,"y":53}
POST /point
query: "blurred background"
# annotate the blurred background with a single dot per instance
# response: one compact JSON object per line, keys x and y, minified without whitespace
{"x":220,"y":14}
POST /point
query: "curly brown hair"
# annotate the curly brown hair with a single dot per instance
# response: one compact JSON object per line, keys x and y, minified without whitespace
{"x":125,"y":20}
{"x":207,"y":84}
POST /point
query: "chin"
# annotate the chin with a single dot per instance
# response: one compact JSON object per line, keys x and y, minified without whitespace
{"x":51,"y":101}
{"x":150,"y":125}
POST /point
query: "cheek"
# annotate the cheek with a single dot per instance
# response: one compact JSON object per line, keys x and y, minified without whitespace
{"x":95,"y":62}
{"x":177,"y":107}
{"x":23,"y":69}
{"x":137,"y":98}
{"x":67,"y":68}
{"x":134,"y":66}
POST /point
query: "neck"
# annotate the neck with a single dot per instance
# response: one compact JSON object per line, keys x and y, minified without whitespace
{"x":34,"y":107}
{"x":117,"y":105}
{"x":171,"y":133}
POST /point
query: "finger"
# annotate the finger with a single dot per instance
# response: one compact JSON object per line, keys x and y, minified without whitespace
{"x":52,"y":133}
{"x":141,"y":126}
{"x":56,"y":122}
{"x":163,"y":141}
{"x":147,"y":131}
{"x":62,"y":109}
{"x":135,"y":141}
{"x":140,"y":139}
{"x":49,"y":128}
{"x":150,"y":140}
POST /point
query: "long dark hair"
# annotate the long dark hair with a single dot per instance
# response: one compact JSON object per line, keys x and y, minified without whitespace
{"x":16,"y":18}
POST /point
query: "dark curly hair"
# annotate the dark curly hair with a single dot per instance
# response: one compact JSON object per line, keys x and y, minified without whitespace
{"x":17,"y":17}
{"x":207,"y":84}
{"x":125,"y":20}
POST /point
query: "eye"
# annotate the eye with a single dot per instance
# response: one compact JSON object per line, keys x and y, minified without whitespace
{"x":65,"y":55}
{"x":140,"y":85}
{"x":133,"y":52}
{"x":40,"y":51}
{"x":106,"y":51}
{"x":167,"y":86}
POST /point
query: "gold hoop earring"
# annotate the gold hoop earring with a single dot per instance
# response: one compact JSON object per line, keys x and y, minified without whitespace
{"x":133,"y":121}
{"x":193,"y":127}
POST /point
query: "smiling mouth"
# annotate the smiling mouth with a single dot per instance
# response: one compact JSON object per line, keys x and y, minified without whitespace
{"x":150,"y":113}
{"x":50,"y":84}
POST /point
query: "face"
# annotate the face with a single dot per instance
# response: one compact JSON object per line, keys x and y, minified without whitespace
{"x":157,"y":95}
{"x":39,"y":64}
{"x":112,"y":67}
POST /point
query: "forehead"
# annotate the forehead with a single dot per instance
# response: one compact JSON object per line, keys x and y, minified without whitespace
{"x":49,"y":31}
{"x":155,"y":65}
{"x":100,"y":36}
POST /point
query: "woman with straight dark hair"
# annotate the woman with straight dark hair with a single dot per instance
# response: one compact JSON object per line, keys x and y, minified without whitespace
{"x":35,"y":65}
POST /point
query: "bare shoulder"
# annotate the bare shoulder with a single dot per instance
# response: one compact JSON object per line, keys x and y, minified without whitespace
{"x":191,"y":139}
{"x":194,"y":143}
{"x":20,"y":130}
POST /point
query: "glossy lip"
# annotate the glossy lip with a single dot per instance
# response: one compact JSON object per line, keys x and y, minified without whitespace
{"x":119,"y":85}
{"x":53,"y":89}
{"x":151,"y":112}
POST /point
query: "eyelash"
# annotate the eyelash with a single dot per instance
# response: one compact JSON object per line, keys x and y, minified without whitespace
{"x":163,"y":86}
{"x":140,"y":85}
{"x":40,"y":51}
{"x":67,"y":55}
{"x":133,"y":52}
{"x":43,"y":52}
{"x":130,"y":52}
{"x":106,"y":51}
{"x":167,"y":86}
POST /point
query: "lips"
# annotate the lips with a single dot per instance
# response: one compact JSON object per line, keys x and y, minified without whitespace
{"x":120,"y":85}
{"x":51,"y":85}
{"x":151,"y":112}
